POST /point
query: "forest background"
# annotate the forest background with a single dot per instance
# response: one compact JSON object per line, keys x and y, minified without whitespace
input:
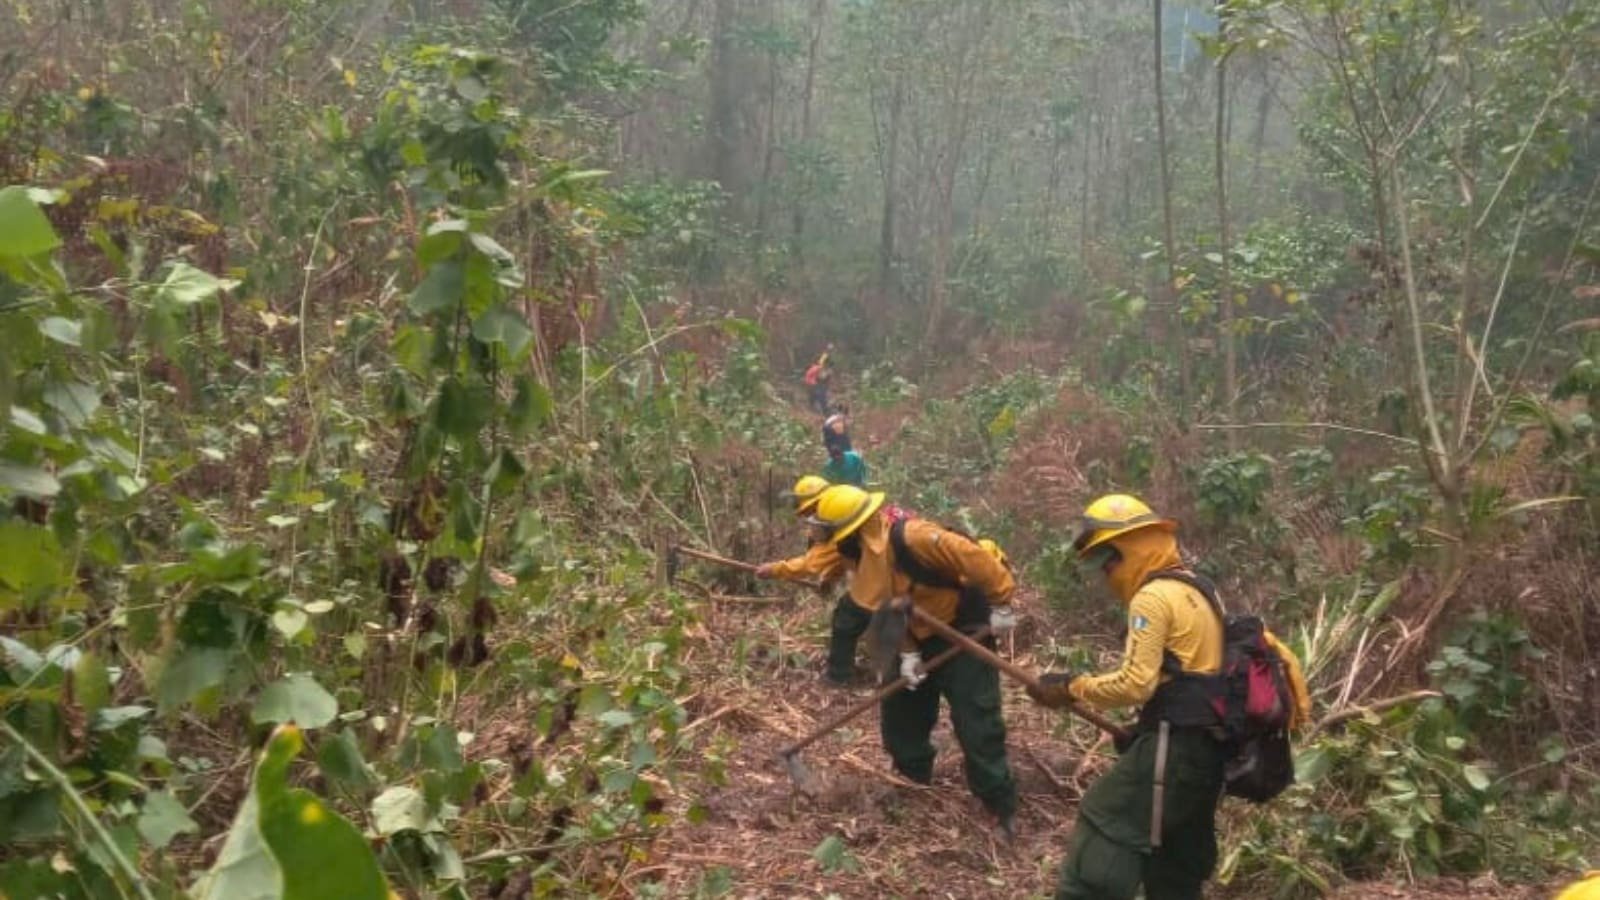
{"x":360,"y":361}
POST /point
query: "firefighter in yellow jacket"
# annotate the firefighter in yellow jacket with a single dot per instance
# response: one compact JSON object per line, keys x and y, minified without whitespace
{"x":1121,"y":840}
{"x":822,"y":562}
{"x":950,"y":576}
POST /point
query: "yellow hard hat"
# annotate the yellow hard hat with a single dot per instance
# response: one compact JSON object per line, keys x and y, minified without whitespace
{"x":1114,"y":515}
{"x":805,"y":493}
{"x":1586,"y":889}
{"x":842,"y":508}
{"x":994,"y":550}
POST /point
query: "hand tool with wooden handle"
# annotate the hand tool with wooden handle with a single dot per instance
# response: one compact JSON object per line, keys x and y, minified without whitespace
{"x":1028,"y":679}
{"x":800,"y":774}
{"x":730,"y":563}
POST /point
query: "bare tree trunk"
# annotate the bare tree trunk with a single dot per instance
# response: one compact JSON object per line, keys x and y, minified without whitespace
{"x":1263,"y":108}
{"x":1230,"y":364}
{"x":1170,"y":289}
{"x":1083,"y":195}
{"x":819,"y":15}
{"x":764,"y":199}
{"x":721,"y":136}
{"x":891,"y":166}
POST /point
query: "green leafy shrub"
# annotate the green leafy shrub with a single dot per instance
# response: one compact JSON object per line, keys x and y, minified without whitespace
{"x":1482,"y":668}
{"x":1391,"y":518}
{"x":1231,"y":490}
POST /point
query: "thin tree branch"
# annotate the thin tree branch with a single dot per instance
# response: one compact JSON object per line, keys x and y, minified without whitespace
{"x":64,"y":784}
{"x":1560,"y":88}
{"x":1414,"y":308}
{"x":1377,"y":706}
{"x":1308,"y":426}
{"x":1483,"y":342}
{"x":1544,"y":320}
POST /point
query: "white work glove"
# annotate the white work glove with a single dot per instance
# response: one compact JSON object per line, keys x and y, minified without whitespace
{"x":1002,"y":619}
{"x":911,"y":669}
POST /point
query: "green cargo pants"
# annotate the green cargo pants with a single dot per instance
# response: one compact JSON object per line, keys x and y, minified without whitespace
{"x":972,"y":689}
{"x":1111,"y":854}
{"x":849,"y":623}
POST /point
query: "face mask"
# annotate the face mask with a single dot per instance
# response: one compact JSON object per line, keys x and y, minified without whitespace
{"x":1100,"y":567}
{"x":850,"y":547}
{"x":1095,"y":561}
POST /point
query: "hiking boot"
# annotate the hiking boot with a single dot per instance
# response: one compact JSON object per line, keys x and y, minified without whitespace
{"x":1008,"y":827}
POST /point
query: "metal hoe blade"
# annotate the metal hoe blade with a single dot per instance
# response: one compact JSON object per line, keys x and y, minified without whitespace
{"x":800,"y":775}
{"x":885,"y":634}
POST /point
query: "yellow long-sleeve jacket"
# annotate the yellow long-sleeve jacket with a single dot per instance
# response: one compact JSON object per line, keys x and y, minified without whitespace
{"x":1168,"y":616}
{"x":951,"y":555}
{"x":820,"y":562}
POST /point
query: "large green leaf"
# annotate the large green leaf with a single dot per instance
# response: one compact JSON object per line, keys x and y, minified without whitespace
{"x":29,"y":481}
{"x":461,"y":411}
{"x":400,"y":808}
{"x":245,"y":869}
{"x":295,"y":698}
{"x":322,"y":856}
{"x":24,"y":230}
{"x":286,"y":844}
{"x":339,"y":758}
{"x":75,"y":401}
{"x":191,"y":671}
{"x":187,"y":285}
{"x":30,"y":558}
{"x":62,"y":331}
{"x":531,"y":405}
{"x":163,"y":818}
{"x":440,"y":290}
{"x":500,"y":325}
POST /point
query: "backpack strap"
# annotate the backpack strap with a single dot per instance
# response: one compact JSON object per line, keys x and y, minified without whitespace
{"x":907,"y":562}
{"x":1206,"y":587}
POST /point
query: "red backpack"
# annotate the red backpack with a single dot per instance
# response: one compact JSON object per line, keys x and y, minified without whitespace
{"x":1248,"y":699}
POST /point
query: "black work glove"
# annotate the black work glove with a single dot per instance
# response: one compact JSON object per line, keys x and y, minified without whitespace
{"x":1052,"y":690}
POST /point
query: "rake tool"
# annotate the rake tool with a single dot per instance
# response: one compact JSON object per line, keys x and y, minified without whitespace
{"x":1027,"y":679}
{"x":806,"y":781}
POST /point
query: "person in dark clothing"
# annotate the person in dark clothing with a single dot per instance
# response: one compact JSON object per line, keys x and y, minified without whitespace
{"x":836,"y":429}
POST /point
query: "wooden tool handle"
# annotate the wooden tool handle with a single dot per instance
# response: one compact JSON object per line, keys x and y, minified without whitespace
{"x":1015,"y":671}
{"x":739,"y":564}
{"x":719,"y":560}
{"x":877,"y":697}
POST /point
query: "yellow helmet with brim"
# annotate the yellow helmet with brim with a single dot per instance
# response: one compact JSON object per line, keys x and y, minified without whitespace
{"x":1112,"y":516}
{"x":842,"y":509}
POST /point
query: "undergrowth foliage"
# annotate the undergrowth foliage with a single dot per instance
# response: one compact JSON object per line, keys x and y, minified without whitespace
{"x":359,"y":361}
{"x":394,"y":542}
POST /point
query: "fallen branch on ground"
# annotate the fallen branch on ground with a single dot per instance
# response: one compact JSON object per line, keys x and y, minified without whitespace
{"x":1378,"y":706}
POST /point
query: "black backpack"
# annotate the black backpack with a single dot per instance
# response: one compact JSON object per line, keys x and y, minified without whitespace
{"x":1249,"y":699}
{"x":973,"y":610}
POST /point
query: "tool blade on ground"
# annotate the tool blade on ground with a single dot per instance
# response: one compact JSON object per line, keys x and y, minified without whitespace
{"x":800,"y":775}
{"x":885,"y":635}
{"x":805,"y":781}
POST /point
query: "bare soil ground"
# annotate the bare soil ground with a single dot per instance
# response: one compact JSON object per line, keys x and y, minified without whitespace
{"x":863,"y":832}
{"x":762,"y":837}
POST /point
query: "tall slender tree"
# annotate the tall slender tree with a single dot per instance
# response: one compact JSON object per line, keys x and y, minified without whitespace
{"x":1230,"y":366}
{"x":1169,"y":289}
